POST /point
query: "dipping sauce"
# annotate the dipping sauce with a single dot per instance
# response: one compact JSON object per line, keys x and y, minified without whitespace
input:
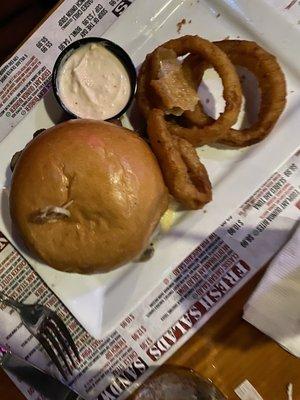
{"x":93,"y":83}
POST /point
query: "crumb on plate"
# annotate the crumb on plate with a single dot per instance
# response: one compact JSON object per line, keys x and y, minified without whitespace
{"x":180,"y":25}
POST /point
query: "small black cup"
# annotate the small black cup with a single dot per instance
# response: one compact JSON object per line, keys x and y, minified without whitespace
{"x":113,"y":48}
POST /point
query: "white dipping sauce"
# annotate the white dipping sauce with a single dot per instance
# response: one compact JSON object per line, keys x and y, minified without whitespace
{"x":93,"y":83}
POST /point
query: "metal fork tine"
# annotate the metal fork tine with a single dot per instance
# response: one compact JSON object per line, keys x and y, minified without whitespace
{"x":60,"y":324}
{"x":52,"y":355}
{"x":51,"y":325}
{"x":56,"y":344}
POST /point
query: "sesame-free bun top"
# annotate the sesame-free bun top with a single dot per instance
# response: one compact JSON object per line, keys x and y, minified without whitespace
{"x":86,"y":196}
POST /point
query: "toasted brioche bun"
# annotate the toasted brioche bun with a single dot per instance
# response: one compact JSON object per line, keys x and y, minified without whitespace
{"x":109,"y":186}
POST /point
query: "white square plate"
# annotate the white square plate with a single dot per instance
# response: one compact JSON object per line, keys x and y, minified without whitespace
{"x":100,"y":301}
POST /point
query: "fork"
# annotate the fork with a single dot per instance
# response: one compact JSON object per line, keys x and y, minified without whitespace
{"x":45,"y":325}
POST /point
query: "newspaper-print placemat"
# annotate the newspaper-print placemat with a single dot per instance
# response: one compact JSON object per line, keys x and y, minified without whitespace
{"x":186,"y":298}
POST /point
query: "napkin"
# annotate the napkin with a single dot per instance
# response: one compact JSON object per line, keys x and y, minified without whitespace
{"x":274,"y":306}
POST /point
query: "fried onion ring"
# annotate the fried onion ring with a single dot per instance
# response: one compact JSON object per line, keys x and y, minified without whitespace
{"x":184,"y":175}
{"x":232,"y":90}
{"x":271,"y":82}
{"x":143,"y":88}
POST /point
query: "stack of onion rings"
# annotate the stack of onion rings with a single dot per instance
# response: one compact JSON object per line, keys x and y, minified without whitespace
{"x":232,"y":89}
{"x":171,"y":138}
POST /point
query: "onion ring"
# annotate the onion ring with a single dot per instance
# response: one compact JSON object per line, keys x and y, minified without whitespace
{"x":232,"y":90}
{"x":184,"y":175}
{"x":142,"y":91}
{"x":271,"y":82}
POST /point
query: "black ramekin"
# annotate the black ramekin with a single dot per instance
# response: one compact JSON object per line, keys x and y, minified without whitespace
{"x":113,"y":48}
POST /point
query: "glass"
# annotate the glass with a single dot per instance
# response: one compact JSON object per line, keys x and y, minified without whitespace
{"x":177,"y":383}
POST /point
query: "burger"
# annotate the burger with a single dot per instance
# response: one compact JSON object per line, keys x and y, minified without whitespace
{"x":86,"y":196}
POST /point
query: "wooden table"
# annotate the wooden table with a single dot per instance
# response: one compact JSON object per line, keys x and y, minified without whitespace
{"x":227,"y":349}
